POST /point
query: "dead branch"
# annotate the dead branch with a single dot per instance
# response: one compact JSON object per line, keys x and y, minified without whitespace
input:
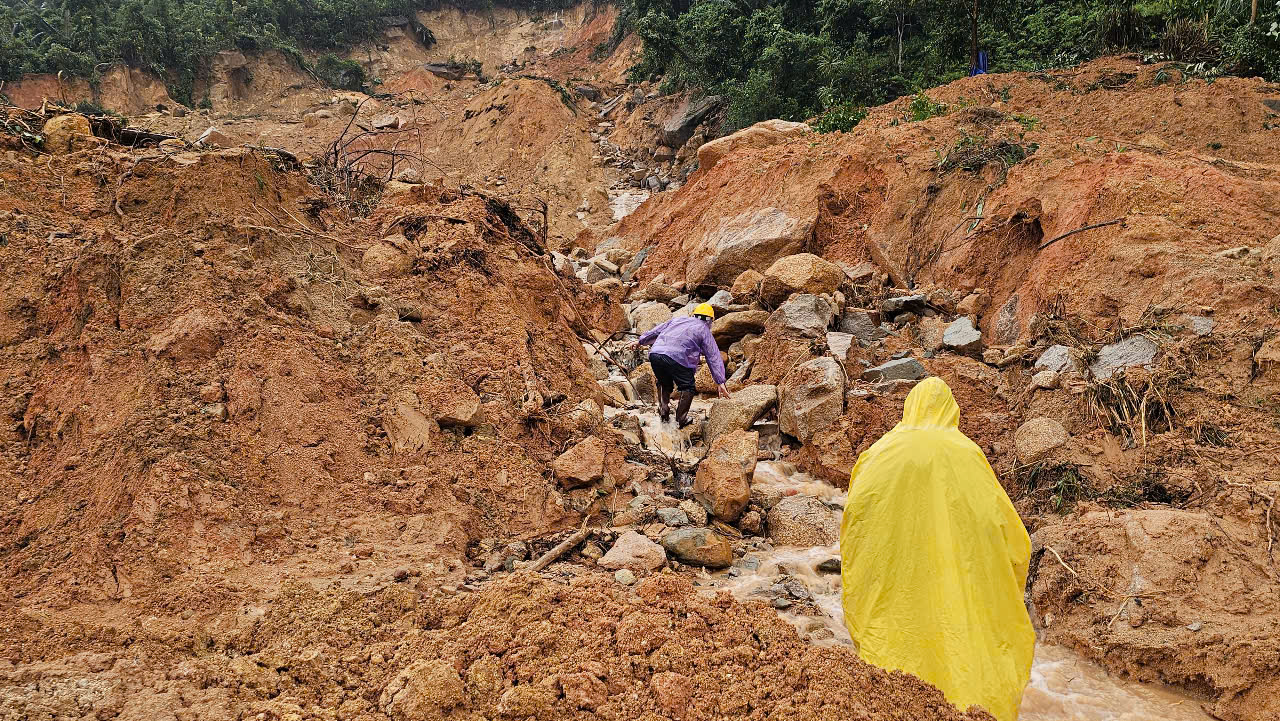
{"x":564,"y":546}
{"x":1081,"y":229}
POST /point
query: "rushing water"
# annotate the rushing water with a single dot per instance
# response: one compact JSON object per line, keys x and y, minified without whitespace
{"x":1063,"y":686}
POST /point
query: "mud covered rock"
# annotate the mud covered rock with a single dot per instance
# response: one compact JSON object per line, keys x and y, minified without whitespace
{"x":811,"y":398}
{"x":193,"y":336}
{"x":452,"y":403}
{"x":805,"y":315}
{"x":699,"y":547}
{"x":800,"y":273}
{"x":723,"y":483}
{"x":423,"y":691}
{"x":583,"y":691}
{"x":1137,"y":350}
{"x":63,"y":132}
{"x":732,"y":327}
{"x":760,"y":135}
{"x":634,"y":552}
{"x":673,"y":692}
{"x":747,"y":284}
{"x":740,"y":410}
{"x":802,"y":521}
{"x":581,"y":465}
{"x":385,"y":259}
{"x":750,"y":240}
{"x":1037,"y":438}
{"x":522,"y":702}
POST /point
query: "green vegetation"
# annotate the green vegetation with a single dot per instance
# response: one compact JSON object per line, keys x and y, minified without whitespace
{"x":176,"y":38}
{"x":794,"y":59}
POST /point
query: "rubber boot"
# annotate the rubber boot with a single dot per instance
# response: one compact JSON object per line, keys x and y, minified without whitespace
{"x":664,"y":404}
{"x":682,"y":410}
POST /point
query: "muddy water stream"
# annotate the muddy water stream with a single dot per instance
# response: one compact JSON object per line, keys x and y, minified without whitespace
{"x":1063,"y":687}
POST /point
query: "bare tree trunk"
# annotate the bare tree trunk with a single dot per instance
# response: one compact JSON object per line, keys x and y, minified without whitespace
{"x":973,"y":17}
{"x":1253,"y":13}
{"x":901,"y":20}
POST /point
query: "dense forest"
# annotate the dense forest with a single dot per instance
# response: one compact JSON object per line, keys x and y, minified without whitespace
{"x":770,"y":58}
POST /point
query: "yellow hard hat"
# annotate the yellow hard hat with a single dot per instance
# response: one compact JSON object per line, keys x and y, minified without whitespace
{"x":705,"y":309}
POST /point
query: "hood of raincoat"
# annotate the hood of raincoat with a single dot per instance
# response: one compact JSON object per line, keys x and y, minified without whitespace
{"x":934,"y":560}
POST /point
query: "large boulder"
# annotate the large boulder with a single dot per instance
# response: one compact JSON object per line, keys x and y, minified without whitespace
{"x":811,"y":398}
{"x":63,"y":132}
{"x":739,"y":410}
{"x":1137,"y":350}
{"x":760,"y":135}
{"x":723,"y":483}
{"x":581,"y":465}
{"x":680,"y":126}
{"x":1036,"y":439}
{"x":634,"y":552}
{"x":746,"y":285}
{"x":902,"y":369}
{"x":750,"y":240}
{"x":733,"y":327}
{"x":699,"y":547}
{"x":802,"y":521}
{"x":647,"y":316}
{"x":654,"y":290}
{"x":804,"y":315}
{"x":800,"y":273}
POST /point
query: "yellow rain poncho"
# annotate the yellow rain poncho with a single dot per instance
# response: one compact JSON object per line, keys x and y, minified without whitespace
{"x":934,"y":559}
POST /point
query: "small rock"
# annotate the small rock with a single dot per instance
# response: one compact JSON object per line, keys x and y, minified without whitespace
{"x":747,"y":284}
{"x":963,"y":338}
{"x":1045,"y":379}
{"x":1234,"y":253}
{"x":624,"y":576}
{"x":1199,"y":324}
{"x":992,"y":356}
{"x":63,"y":132}
{"x":861,"y":324}
{"x":212,"y":137}
{"x":831,"y":565}
{"x":902,"y":304}
{"x":695,"y":511}
{"x":800,"y":273}
{"x":751,"y":522}
{"x":581,"y":465}
{"x":634,"y":551}
{"x":1196,"y":626}
{"x":699,"y":547}
{"x":1054,"y":358}
{"x":673,"y":517}
{"x":386,"y":122}
{"x":1037,"y":438}
{"x":723,"y":482}
{"x":781,"y":603}
{"x":1137,"y":350}
{"x":907,"y":369}
{"x":802,"y":521}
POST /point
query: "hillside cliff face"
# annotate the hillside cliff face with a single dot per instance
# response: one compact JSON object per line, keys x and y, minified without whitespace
{"x":287,"y":422}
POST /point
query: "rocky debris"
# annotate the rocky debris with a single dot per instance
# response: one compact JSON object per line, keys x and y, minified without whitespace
{"x":673,"y":517}
{"x":861,"y":324}
{"x":63,"y":132}
{"x":747,"y":284}
{"x":839,"y":344}
{"x":649,"y":315}
{"x":805,"y":315}
{"x":635,"y":552}
{"x":1137,"y":350}
{"x":830,"y":565}
{"x":800,"y":273}
{"x":657,"y":291}
{"x":903,"y":304}
{"x":1037,"y":438}
{"x":695,"y":511}
{"x":802,"y":521}
{"x":425,"y":689}
{"x":723,"y":483}
{"x":385,"y":259}
{"x":760,"y":135}
{"x":751,"y":240}
{"x":1046,"y":380}
{"x":1055,"y":358}
{"x":214,"y":138}
{"x":902,"y":369}
{"x":505,"y":558}
{"x":741,"y":409}
{"x":699,"y":547}
{"x":721,"y":302}
{"x":963,"y":338}
{"x":581,"y":465}
{"x":732,"y":327}
{"x":680,"y":126}
{"x":624,"y":576}
{"x":811,"y":398}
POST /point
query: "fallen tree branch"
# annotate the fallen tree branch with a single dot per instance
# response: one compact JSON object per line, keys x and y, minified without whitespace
{"x":564,"y":546}
{"x":1081,"y":229}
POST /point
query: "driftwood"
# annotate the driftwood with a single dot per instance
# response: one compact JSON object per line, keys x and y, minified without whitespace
{"x":545,"y":559}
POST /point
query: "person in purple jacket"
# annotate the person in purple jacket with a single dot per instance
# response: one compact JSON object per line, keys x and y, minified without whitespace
{"x":674,"y":357}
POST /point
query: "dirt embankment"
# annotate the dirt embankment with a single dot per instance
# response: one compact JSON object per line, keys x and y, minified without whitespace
{"x":1079,"y":208}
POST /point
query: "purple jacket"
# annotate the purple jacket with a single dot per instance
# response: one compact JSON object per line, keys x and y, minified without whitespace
{"x":683,"y":340}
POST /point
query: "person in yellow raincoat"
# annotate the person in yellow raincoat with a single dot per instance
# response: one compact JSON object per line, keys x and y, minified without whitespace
{"x":934,"y":560}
